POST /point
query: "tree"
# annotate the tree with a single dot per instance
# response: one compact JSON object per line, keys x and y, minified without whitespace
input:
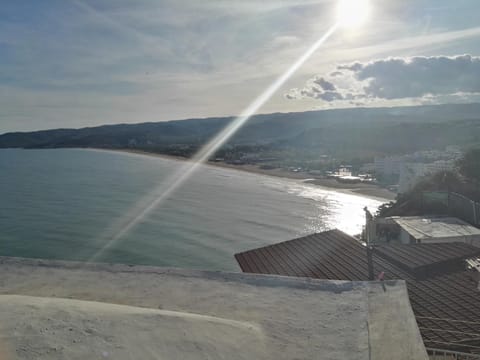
{"x":412,"y":204}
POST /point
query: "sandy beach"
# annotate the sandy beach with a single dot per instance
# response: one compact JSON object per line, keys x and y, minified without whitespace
{"x":369,"y":190}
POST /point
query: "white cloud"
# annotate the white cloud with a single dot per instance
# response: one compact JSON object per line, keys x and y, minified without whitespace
{"x":426,"y":79}
{"x":99,"y":61}
{"x":285,"y":40}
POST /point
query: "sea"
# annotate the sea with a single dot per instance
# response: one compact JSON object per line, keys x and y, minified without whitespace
{"x":75,"y":204}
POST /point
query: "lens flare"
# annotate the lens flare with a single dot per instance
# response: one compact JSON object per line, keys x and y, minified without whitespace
{"x":144,"y":207}
{"x":353,"y":13}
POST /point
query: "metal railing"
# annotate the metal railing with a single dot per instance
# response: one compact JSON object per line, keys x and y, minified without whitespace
{"x":463,"y":208}
{"x":440,"y":354}
{"x":454,"y":204}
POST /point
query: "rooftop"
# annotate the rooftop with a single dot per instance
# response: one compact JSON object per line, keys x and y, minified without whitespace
{"x":446,"y":305}
{"x":421,"y":227}
{"x":52,"y":309}
{"x":422,"y":260}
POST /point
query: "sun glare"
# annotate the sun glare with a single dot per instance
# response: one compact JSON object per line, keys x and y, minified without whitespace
{"x":353,"y":13}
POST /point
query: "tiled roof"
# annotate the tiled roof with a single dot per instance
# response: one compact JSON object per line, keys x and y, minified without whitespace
{"x":446,"y":306}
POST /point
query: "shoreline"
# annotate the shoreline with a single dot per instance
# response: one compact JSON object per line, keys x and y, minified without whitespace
{"x":369,"y":190}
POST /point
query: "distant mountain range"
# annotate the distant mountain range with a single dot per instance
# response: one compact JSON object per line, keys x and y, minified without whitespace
{"x":344,"y":133}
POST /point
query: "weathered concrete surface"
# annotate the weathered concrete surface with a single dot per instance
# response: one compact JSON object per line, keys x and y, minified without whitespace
{"x":52,"y":328}
{"x":392,"y":328}
{"x":197,"y":315}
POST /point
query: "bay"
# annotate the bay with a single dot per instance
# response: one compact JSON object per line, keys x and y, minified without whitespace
{"x":58,"y":204}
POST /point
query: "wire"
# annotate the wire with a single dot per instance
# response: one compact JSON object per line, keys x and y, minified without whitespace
{"x":451,"y":320}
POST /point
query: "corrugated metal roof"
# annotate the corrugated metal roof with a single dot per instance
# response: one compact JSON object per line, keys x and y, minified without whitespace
{"x":446,"y":306}
{"x":435,"y":227}
{"x":428,"y":259}
{"x":319,"y":256}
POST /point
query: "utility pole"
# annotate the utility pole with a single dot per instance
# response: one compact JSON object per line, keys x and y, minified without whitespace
{"x":370,"y":262}
{"x":368,"y":238}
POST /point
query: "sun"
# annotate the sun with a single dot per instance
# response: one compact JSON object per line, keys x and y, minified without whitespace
{"x":353,"y":13}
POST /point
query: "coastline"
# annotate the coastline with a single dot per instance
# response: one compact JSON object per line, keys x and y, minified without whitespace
{"x":369,"y":190}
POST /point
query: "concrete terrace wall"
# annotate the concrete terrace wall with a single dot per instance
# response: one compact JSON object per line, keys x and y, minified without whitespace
{"x":278,"y":317}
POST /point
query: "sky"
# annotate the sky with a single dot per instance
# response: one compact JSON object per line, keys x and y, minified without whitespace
{"x":77,"y":63}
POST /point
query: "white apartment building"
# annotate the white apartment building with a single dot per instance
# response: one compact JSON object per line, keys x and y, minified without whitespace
{"x":389,"y":165}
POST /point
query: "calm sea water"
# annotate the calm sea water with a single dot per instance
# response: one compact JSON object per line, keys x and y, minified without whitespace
{"x":58,"y":204}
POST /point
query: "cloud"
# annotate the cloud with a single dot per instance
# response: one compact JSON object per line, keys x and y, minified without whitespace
{"x":324,"y":84}
{"x":97,"y":61}
{"x":395,"y":79}
{"x":285,"y":40}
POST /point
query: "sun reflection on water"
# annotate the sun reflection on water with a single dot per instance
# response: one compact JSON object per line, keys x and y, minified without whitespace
{"x":336,"y":209}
